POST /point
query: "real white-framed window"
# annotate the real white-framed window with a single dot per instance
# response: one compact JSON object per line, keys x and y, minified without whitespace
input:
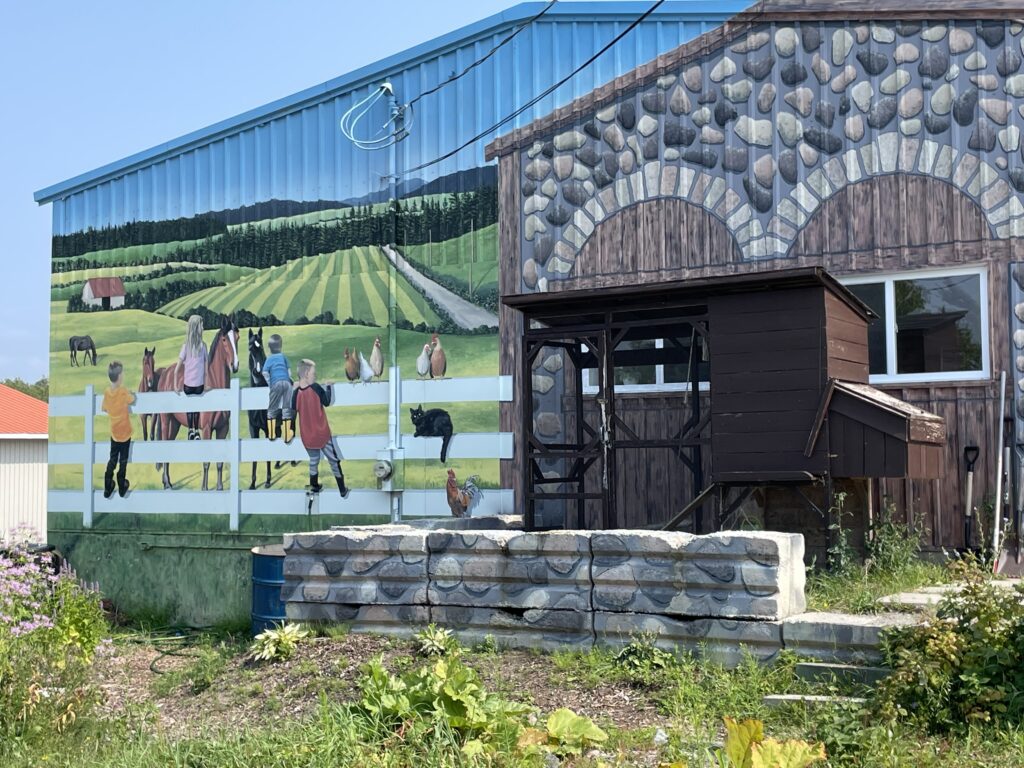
{"x":932,"y":325}
{"x":635,"y":379}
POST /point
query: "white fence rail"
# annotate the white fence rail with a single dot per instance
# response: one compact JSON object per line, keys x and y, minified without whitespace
{"x":238,"y":448}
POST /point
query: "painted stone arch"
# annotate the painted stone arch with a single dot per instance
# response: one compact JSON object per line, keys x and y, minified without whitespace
{"x":774,"y":123}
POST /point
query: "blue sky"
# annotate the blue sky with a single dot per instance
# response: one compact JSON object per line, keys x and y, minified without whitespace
{"x":84,"y":84}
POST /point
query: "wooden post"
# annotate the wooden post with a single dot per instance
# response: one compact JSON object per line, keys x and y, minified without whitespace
{"x":235,"y":449}
{"x":88,"y":502}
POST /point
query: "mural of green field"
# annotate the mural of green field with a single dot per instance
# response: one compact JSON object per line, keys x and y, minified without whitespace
{"x":350,"y":284}
{"x":123,"y":335}
{"x":198,"y":273}
{"x":131,"y":255}
{"x":472,"y":258}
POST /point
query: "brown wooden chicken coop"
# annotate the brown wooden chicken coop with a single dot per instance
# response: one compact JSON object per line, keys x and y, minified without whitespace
{"x":771,"y":373}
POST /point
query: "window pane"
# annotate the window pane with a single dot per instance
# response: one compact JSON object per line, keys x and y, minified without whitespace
{"x":873,"y":294}
{"x":679,"y":373}
{"x":938,"y":324}
{"x":636,"y":374}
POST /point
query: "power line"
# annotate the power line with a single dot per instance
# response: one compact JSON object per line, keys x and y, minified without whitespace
{"x":540,"y":96}
{"x":548,"y":6}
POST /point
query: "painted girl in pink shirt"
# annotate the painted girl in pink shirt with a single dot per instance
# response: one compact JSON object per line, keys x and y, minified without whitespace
{"x":192,"y":363}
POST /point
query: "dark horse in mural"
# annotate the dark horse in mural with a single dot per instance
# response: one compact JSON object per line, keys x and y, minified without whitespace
{"x":221,"y":362}
{"x":257,"y":419}
{"x":150,"y":379}
{"x":84,"y":344}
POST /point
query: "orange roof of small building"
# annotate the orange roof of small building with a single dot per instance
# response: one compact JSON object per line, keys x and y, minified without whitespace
{"x":21,"y":414}
{"x":106,"y":287}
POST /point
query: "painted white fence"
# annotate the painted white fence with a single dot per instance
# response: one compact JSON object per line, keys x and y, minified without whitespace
{"x":237,"y":448}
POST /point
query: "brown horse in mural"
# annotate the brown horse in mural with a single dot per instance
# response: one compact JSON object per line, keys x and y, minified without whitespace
{"x":222,"y":361}
{"x":150,"y":378}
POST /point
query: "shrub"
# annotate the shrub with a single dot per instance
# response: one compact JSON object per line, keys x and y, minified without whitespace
{"x":965,"y":666}
{"x":642,"y":661}
{"x":433,"y":640}
{"x":746,"y":747}
{"x":50,"y":628}
{"x":277,"y":643}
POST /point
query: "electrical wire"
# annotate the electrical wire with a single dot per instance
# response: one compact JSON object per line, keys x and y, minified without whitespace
{"x":636,"y":22}
{"x":452,"y":78}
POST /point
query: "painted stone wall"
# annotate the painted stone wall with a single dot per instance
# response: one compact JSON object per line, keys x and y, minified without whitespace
{"x":553,"y":589}
{"x":762,"y":131}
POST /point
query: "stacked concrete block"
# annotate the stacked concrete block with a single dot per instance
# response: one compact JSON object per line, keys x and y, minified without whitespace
{"x":841,"y":637}
{"x":724,"y":641}
{"x":735,"y":575}
{"x":510,"y":569}
{"x":374,"y":565}
{"x":397,"y":620}
{"x":534,"y":628}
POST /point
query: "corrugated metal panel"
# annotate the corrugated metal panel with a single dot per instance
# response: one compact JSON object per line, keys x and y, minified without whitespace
{"x":301,"y":155}
{"x":23,"y":485}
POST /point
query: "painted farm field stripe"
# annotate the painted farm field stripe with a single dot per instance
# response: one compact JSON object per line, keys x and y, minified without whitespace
{"x":183,"y":304}
{"x":299,"y":303}
{"x":283,"y":286}
{"x":233,"y":300}
{"x":343,"y":305}
{"x":375,"y":297}
{"x":280,"y":298}
{"x":412,"y":305}
{"x":319,"y":296}
{"x":230,"y":292}
{"x":331,"y":297}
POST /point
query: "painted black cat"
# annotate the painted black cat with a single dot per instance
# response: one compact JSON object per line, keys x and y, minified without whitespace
{"x":433,"y":423}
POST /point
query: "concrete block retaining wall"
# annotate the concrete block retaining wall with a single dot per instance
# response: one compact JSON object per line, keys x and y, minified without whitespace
{"x":556,"y":589}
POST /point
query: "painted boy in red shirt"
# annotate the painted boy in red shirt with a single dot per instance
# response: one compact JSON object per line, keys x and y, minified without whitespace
{"x":308,"y":401}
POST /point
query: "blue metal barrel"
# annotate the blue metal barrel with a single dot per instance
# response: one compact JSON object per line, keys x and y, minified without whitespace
{"x":267,"y":580}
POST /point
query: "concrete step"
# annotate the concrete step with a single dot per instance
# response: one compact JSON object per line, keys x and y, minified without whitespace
{"x":848,"y":674}
{"x":841,"y":637}
{"x":783,"y":699}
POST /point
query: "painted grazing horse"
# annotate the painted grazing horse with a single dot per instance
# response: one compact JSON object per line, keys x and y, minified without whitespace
{"x":84,"y":344}
{"x":150,"y":378}
{"x":221,"y":362}
{"x":257,"y":419}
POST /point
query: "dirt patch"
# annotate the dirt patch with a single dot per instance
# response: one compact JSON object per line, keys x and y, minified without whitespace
{"x":157,"y":679}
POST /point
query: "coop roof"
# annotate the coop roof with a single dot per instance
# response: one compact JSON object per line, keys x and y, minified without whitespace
{"x":21,"y":416}
{"x":105,"y":287}
{"x":583,"y":299}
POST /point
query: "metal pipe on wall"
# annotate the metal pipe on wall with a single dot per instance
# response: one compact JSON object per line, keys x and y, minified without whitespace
{"x":997,"y":517}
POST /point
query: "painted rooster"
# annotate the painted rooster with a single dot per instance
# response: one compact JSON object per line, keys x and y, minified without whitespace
{"x":351,"y":365}
{"x":438,"y":359}
{"x":377,"y":359}
{"x":423,"y":362}
{"x":464,"y":500}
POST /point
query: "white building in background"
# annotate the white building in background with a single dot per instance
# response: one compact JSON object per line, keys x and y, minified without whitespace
{"x":23,"y":441}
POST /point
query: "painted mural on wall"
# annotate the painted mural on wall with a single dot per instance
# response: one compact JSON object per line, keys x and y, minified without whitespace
{"x":285,"y":281}
{"x":764,"y":130}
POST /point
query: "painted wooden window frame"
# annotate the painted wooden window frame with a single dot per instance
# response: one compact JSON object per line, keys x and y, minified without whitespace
{"x":888,"y":280}
{"x":659,"y":385}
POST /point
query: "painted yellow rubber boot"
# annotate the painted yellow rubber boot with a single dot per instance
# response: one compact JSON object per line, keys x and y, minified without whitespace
{"x":272,"y":429}
{"x":289,"y":432}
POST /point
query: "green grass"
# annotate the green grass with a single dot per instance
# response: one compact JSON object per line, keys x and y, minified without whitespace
{"x":351,"y":283}
{"x":471,"y":259}
{"x":81,"y":275}
{"x":858,"y":591}
{"x":227,"y":273}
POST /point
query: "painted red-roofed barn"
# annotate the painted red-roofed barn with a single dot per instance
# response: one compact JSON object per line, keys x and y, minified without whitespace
{"x":106,"y":292}
{"x":23,"y":444}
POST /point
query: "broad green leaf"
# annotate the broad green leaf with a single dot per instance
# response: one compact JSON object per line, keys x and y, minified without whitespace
{"x":739,"y":738}
{"x":771,"y":753}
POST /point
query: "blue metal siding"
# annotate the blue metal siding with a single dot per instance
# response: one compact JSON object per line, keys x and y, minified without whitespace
{"x":300,"y":154}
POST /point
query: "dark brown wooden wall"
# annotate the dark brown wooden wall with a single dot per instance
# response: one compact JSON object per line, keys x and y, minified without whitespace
{"x":847,"y":334}
{"x":884,"y":224}
{"x":768,"y":371}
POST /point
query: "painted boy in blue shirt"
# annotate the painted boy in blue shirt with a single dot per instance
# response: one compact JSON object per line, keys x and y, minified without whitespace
{"x":279,"y":377}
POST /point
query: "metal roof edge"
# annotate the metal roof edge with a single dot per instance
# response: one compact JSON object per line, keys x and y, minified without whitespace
{"x":705,"y":9}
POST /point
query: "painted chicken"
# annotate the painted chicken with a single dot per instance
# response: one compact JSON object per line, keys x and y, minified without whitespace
{"x":423,"y":362}
{"x":377,"y":359}
{"x":351,"y":365}
{"x":438,"y":359}
{"x":365,"y":370}
{"x":462,"y":501}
